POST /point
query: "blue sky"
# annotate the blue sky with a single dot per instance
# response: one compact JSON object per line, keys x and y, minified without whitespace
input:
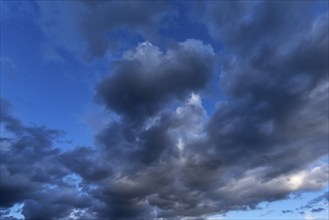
{"x":174,"y":109}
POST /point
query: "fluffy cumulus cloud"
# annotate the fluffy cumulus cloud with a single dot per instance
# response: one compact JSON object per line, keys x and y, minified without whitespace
{"x":165,"y":155}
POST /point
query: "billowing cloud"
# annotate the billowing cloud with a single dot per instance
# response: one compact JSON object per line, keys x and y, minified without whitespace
{"x":165,"y":155}
{"x":273,"y":95}
{"x":31,"y":172}
{"x":269,"y":127}
{"x":147,"y":78}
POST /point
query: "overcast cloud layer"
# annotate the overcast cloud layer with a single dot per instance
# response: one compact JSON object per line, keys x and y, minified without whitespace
{"x":164,"y":154}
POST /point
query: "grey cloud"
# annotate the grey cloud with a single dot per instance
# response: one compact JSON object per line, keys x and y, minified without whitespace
{"x":248,"y":26}
{"x":271,"y":93}
{"x":31,"y":172}
{"x":163,"y":157}
{"x":317,"y":210}
{"x":150,"y":182}
{"x":56,"y":204}
{"x":147,"y":78}
{"x":270,"y":125}
{"x":10,"y":123}
{"x":87,"y":163}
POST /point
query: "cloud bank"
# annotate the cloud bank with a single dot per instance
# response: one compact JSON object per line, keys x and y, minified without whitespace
{"x":164,"y":155}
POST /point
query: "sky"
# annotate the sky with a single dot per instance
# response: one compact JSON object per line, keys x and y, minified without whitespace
{"x":178,"y":110}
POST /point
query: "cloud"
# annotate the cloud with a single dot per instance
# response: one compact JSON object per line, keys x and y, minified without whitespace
{"x":316,"y":201}
{"x":317,"y":210}
{"x":269,"y":128}
{"x":272,"y":95}
{"x":147,"y":78}
{"x":164,"y":156}
{"x":77,"y":159}
{"x":31,"y":172}
{"x":10,"y":123}
{"x":251,"y":187}
{"x":153,"y":151}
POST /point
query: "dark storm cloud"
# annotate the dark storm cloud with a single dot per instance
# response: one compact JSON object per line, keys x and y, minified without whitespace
{"x":31,"y":172}
{"x":147,"y":78}
{"x":150,"y":181}
{"x":163,"y":156}
{"x":287,"y":64}
{"x":142,"y":136}
{"x":87,"y":163}
{"x":270,"y":125}
{"x":274,"y":113}
{"x":99,"y":18}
